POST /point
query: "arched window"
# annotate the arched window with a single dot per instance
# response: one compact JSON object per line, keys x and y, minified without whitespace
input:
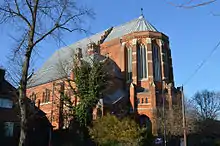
{"x":142,"y":62}
{"x":129,"y":64}
{"x":142,"y":100}
{"x":156,"y":63}
{"x":33,"y":97}
{"x":46,"y":96}
{"x":146,"y":100}
{"x":166,"y":62}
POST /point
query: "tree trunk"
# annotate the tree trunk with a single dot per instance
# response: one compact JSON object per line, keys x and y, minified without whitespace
{"x":22,"y":100}
{"x":23,"y":131}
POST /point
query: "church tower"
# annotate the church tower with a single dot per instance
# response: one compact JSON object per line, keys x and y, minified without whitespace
{"x":149,"y":71}
{"x":144,"y":57}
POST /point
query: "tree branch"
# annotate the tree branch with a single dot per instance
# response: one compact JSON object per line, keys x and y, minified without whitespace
{"x":57,"y":25}
{"x":190,"y":6}
{"x":214,"y":14}
{"x":71,"y":30}
{"x":11,"y":12}
{"x":17,"y":7}
{"x":21,"y":43}
{"x":45,"y":35}
{"x":29,"y":6}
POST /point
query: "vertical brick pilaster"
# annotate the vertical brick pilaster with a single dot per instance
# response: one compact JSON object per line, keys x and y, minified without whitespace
{"x":123,"y":57}
{"x":132,"y":98}
{"x":170,"y":99}
{"x":134,"y":61}
{"x":149,"y":58}
{"x":153,"y":94}
{"x":160,"y":44}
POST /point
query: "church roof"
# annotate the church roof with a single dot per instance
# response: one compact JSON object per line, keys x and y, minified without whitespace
{"x":50,"y":69}
{"x":111,"y":66}
{"x":136,"y":25}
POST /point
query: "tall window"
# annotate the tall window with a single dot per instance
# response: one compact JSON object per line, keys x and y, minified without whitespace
{"x":46,"y":96}
{"x":156,"y":63}
{"x":166,"y":67}
{"x":33,"y":97}
{"x":129,"y":64}
{"x":142,"y":62}
{"x":146,"y":100}
{"x":8,"y":127}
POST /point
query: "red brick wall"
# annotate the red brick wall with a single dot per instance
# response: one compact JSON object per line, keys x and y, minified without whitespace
{"x":50,"y":108}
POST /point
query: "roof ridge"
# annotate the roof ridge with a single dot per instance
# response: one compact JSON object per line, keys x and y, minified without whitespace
{"x":148,"y":22}
{"x":126,"y":23}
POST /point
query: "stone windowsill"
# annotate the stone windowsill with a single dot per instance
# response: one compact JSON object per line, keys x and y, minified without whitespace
{"x":143,"y":79}
{"x":46,"y":103}
{"x":144,"y":104}
{"x":144,"y":92}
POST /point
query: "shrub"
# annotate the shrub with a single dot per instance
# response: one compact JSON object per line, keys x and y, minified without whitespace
{"x":111,"y":131}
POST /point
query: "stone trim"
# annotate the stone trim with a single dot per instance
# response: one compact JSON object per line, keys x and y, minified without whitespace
{"x":144,"y":104}
{"x":123,"y":44}
{"x":143,"y":92}
{"x":148,"y":40}
{"x":134,"y":41}
{"x":143,"y":79}
{"x":144,"y":108}
{"x":46,"y":103}
{"x":134,"y":61}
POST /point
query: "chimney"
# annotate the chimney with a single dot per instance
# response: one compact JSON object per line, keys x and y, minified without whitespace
{"x":2,"y":74}
{"x":78,"y":53}
{"x":92,"y":48}
{"x":78,"y":57}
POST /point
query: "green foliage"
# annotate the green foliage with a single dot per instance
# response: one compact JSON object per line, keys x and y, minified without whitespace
{"x":111,"y":131}
{"x":90,"y":81}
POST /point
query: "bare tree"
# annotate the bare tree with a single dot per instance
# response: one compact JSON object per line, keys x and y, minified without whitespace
{"x":173,"y":120}
{"x":37,"y":20}
{"x":207,"y":104}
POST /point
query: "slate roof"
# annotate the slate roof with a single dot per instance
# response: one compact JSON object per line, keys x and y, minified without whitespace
{"x":50,"y":71}
{"x":112,"y":66}
{"x":136,"y":25}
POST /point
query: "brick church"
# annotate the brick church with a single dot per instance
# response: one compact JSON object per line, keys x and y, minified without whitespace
{"x":142,"y":68}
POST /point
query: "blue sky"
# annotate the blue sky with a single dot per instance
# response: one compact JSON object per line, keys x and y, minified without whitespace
{"x":193,"y":33}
